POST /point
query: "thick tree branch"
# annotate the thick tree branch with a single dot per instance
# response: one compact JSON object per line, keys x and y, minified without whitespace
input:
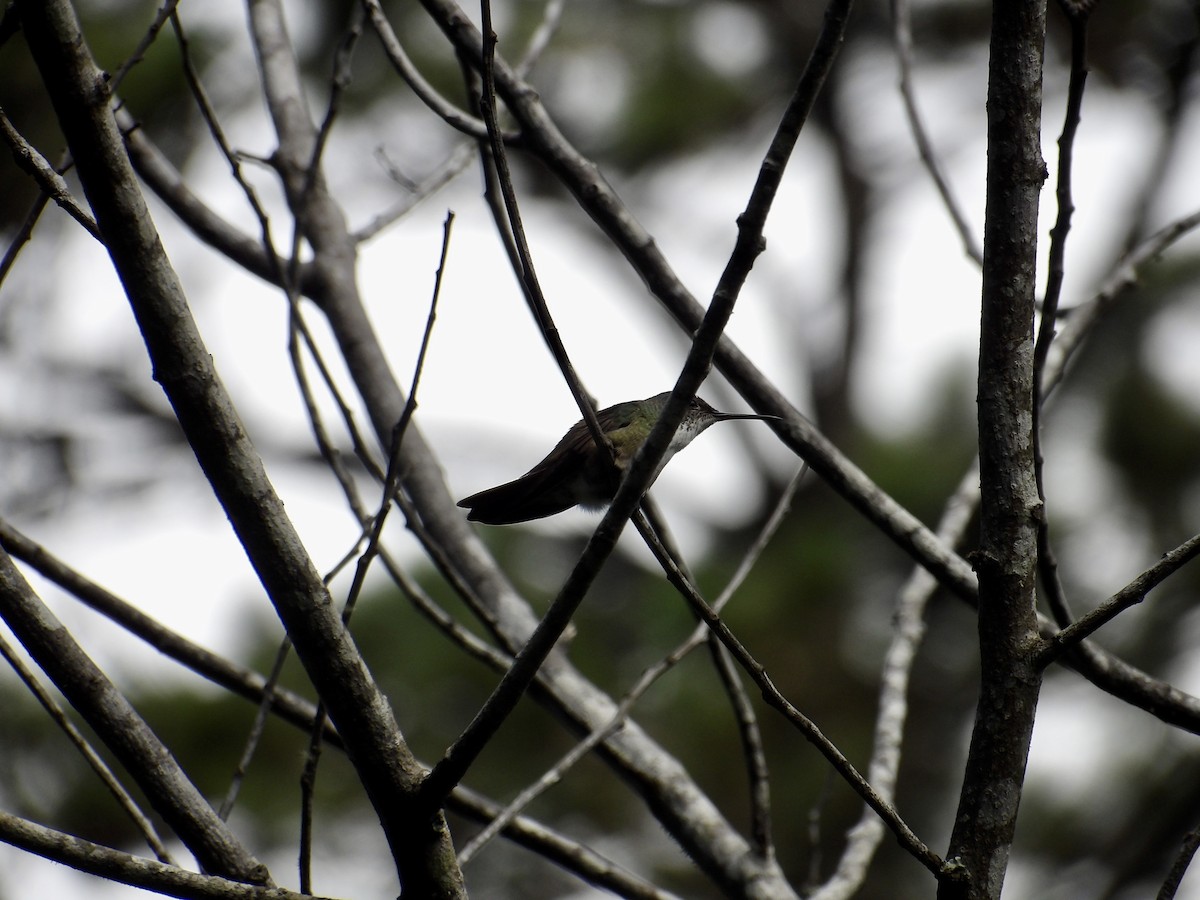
{"x":123,"y":731}
{"x":95,"y":762}
{"x":235,"y":678}
{"x":184,"y":368}
{"x":1009,"y":508}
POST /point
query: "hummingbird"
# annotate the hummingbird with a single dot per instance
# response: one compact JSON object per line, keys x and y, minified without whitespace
{"x":578,"y":473}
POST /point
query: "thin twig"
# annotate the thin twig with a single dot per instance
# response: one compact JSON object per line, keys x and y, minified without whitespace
{"x":1179,"y":867}
{"x":1172,"y":140}
{"x":1130,"y":595}
{"x":460,"y":157}
{"x":653,"y":529}
{"x":105,"y":862}
{"x":1123,"y":277}
{"x":257,"y":729}
{"x":546,"y":29}
{"x":371,"y":550}
{"x":578,"y":859}
{"x":774,"y":698}
{"x":308,"y":793}
{"x":902,"y":37}
{"x":454,"y":164}
{"x":1047,"y":562}
{"x":234,"y":678}
{"x":392,"y":480}
{"x":93,"y":759}
{"x":50,"y":182}
{"x":470,"y":643}
{"x":813,"y":832}
{"x":512,"y":232}
{"x":754,"y":754}
{"x":209,"y":115}
{"x":439,"y":105}
{"x":23,"y":233}
{"x":165,"y":12}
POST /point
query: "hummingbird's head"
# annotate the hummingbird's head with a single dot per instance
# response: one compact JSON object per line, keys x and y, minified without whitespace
{"x":698,"y":416}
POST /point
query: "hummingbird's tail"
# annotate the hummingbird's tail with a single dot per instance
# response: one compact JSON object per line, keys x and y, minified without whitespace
{"x":516,"y":501}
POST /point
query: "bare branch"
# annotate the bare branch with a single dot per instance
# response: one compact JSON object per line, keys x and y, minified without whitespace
{"x":114,"y":865}
{"x":1179,"y":868}
{"x":185,"y":369}
{"x":93,"y":759}
{"x":1006,"y":561}
{"x":123,"y":731}
{"x":51,"y":183}
{"x":165,"y":12}
{"x":1130,"y":595}
{"x":902,"y":38}
{"x":439,"y":105}
{"x":237,"y":679}
{"x":1046,"y":560}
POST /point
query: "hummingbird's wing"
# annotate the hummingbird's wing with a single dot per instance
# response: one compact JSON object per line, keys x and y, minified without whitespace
{"x":553,"y":485}
{"x":573,"y":473}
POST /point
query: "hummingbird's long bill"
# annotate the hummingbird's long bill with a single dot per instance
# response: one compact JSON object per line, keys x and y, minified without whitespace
{"x":578,"y":473}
